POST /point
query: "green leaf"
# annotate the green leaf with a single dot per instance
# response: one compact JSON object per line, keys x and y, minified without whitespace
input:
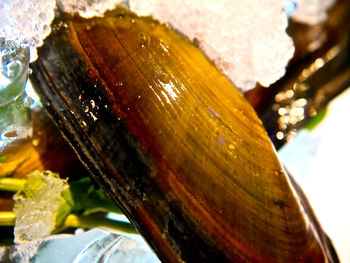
{"x":82,"y":196}
{"x":63,"y":212}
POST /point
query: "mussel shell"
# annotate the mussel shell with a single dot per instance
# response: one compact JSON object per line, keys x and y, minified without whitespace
{"x":172,"y":142}
{"x":318,"y":72}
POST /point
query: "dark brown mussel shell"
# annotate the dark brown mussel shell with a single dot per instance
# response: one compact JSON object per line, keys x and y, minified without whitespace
{"x":318,"y":72}
{"x":173,"y":143}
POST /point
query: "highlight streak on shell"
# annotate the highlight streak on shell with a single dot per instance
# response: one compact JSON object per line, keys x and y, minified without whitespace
{"x":172,"y":142}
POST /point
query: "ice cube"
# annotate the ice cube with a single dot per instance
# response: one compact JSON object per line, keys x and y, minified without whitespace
{"x":27,"y":21}
{"x":37,"y":204}
{"x":94,"y":246}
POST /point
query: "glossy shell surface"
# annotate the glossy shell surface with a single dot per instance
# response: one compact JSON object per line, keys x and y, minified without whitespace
{"x":172,"y":142}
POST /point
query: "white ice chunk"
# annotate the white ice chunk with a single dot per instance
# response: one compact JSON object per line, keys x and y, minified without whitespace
{"x":312,"y":11}
{"x":37,"y":204}
{"x":27,"y":21}
{"x":245,"y":39}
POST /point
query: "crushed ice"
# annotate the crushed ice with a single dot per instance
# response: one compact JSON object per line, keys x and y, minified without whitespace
{"x":246,"y":39}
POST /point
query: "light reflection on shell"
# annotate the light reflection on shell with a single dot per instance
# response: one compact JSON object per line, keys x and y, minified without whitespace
{"x":173,"y":143}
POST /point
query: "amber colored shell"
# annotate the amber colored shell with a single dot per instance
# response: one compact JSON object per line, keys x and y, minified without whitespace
{"x":173,"y":143}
